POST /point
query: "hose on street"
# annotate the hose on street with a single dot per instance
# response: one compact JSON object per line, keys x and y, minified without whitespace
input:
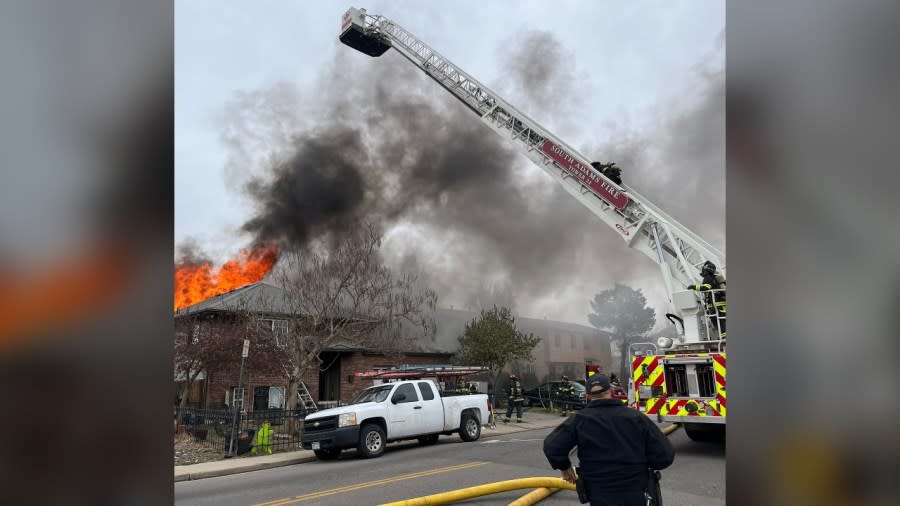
{"x":486,"y":489}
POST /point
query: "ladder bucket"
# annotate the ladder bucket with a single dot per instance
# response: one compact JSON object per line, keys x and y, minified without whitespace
{"x":353,"y":34}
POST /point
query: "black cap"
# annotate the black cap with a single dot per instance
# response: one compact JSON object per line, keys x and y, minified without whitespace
{"x":597,"y":383}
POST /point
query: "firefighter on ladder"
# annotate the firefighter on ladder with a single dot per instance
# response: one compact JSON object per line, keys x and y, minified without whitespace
{"x":713,"y":284}
{"x":610,"y":170}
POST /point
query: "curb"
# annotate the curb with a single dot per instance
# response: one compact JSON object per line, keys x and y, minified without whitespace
{"x":259,"y":466}
{"x":256,"y":466}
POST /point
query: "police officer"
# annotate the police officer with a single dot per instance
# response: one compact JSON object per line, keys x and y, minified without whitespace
{"x":616,"y":447}
{"x":514,"y":398}
{"x":716,"y":305}
{"x":566,"y":394}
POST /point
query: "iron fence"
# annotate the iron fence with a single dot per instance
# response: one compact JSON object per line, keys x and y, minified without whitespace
{"x":214,"y":427}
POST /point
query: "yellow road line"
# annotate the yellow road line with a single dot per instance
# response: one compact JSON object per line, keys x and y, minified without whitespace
{"x":358,"y":486}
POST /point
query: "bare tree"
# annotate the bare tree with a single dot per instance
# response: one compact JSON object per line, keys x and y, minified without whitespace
{"x":212,"y":343}
{"x":341,"y":295}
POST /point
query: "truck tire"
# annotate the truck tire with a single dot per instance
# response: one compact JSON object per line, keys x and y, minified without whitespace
{"x":371,"y":441}
{"x":705,"y":432}
{"x":429,"y":439}
{"x":327,"y":453}
{"x":469,"y":428}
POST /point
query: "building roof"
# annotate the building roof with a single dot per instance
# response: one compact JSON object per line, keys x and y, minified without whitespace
{"x":265,"y":298}
{"x":256,"y":297}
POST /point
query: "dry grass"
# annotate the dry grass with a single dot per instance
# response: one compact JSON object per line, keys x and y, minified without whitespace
{"x":190,"y":451}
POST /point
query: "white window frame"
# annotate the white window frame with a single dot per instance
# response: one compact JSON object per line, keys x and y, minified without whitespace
{"x":279,"y":329}
{"x":283,"y":393}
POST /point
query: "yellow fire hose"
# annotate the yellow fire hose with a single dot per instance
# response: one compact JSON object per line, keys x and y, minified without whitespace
{"x":486,"y":489}
{"x":671,"y":428}
{"x":545,"y":487}
{"x":534,"y":497}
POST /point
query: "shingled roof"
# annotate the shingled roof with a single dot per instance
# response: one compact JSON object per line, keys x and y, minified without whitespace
{"x":256,"y":297}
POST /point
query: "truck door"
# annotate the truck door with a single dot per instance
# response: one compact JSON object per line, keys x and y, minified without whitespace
{"x":431,"y":417}
{"x":404,"y":404}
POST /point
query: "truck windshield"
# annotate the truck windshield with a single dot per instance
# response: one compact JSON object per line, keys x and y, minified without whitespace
{"x":374,"y":394}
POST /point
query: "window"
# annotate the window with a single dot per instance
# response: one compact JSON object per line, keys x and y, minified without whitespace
{"x":237,"y":398}
{"x":587,"y":343}
{"x":279,"y":329}
{"x":556,"y":341}
{"x":427,"y":392}
{"x":195,"y":335}
{"x":276,"y":397}
{"x":407,"y":390}
{"x":572,"y":342}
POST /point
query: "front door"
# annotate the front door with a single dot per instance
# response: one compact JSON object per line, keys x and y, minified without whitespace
{"x":330,"y":377}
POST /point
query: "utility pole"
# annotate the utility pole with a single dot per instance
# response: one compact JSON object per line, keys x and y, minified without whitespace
{"x":238,"y":398}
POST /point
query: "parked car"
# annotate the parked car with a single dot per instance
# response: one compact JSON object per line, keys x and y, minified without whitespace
{"x":412,"y":409}
{"x":544,"y":394}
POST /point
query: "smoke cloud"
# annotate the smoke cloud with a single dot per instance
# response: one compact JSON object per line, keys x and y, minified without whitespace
{"x":385,"y":144}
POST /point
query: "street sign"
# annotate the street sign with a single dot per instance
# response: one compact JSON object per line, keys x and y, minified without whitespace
{"x":246,"y":351}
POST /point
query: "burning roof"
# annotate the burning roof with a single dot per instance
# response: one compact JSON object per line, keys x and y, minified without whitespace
{"x":199,"y":281}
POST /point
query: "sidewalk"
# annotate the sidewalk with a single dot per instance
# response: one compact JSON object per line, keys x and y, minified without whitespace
{"x":534,"y":418}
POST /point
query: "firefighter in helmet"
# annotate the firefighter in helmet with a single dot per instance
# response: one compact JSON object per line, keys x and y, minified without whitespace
{"x":713,"y":284}
{"x":566,"y":395}
{"x":462,"y":387}
{"x":514,"y":398}
{"x":610,"y":170}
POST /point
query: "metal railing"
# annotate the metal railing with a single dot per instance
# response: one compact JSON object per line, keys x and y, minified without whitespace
{"x":715,"y":313}
{"x":213,"y":428}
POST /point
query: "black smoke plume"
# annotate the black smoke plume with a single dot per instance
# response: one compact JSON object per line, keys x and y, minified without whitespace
{"x":385,"y":144}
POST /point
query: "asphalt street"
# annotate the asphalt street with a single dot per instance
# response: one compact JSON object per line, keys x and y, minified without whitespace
{"x":407,"y":470}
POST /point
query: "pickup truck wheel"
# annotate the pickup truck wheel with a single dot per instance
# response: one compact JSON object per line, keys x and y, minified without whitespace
{"x":327,"y":453}
{"x":429,"y":439}
{"x":469,"y":428}
{"x":371,"y":441}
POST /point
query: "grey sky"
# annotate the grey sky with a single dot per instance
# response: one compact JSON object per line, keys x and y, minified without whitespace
{"x":641,"y":83}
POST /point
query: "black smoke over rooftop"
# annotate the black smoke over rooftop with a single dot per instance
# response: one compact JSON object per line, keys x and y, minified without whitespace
{"x":385,"y":144}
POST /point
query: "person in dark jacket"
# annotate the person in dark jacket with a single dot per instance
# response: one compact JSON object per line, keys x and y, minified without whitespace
{"x":566,"y":396}
{"x":716,"y":305}
{"x":616,"y":446}
{"x":610,"y":170}
{"x":514,"y":398}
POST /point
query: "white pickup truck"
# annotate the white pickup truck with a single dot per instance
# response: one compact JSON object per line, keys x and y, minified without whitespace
{"x":410,"y":409}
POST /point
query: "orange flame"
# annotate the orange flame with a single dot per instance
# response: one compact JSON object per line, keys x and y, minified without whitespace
{"x":197,"y":282}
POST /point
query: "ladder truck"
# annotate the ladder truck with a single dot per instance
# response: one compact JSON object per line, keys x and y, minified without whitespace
{"x":678,"y":380}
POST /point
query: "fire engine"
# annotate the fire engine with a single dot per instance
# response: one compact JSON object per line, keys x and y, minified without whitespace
{"x":676,"y":380}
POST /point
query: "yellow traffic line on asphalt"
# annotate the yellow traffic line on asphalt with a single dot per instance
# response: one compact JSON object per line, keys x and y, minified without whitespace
{"x":486,"y":489}
{"x":534,"y":497}
{"x":358,"y":486}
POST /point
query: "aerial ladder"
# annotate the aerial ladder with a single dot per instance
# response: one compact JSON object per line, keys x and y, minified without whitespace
{"x":680,"y":380}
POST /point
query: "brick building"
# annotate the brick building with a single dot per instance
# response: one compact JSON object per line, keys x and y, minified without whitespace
{"x":563,"y":349}
{"x":333,"y":382}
